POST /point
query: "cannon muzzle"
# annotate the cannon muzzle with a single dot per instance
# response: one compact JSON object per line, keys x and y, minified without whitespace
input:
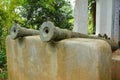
{"x":48,"y":32}
{"x":17,"y":31}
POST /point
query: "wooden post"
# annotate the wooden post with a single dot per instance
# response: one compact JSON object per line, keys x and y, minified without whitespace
{"x":17,"y":31}
{"x":48,"y":32}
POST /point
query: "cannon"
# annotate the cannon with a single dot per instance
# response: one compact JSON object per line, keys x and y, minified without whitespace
{"x":17,"y":31}
{"x":49,"y":32}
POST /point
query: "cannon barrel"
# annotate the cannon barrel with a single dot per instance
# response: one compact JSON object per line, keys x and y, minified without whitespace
{"x":17,"y":31}
{"x":48,"y":32}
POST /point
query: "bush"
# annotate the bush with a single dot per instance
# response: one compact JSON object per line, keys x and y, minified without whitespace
{"x":3,"y":64}
{"x":36,"y":12}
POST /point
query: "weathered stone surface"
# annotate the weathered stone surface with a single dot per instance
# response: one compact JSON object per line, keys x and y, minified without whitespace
{"x":71,"y":59}
{"x":116,"y":65}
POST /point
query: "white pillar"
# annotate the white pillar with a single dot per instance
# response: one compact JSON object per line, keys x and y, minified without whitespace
{"x":116,"y":30}
{"x":81,"y":16}
{"x":104,"y":17}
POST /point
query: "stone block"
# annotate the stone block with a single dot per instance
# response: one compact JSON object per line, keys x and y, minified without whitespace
{"x":116,"y":65}
{"x":29,"y":58}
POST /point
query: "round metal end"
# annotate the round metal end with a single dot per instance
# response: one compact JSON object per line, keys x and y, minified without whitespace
{"x":14,"y":31}
{"x":47,"y":31}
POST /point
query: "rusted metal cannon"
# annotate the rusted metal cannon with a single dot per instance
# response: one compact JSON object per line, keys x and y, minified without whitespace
{"x":48,"y":32}
{"x":17,"y":31}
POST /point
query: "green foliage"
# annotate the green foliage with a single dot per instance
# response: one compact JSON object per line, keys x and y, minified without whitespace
{"x":3,"y":65}
{"x":3,"y":28}
{"x":91,"y":6}
{"x":7,"y":16}
{"x":37,"y":11}
{"x":2,"y":59}
{"x":3,"y":75}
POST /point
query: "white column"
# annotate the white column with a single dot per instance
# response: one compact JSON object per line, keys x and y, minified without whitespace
{"x":81,"y":16}
{"x":116,"y":32}
{"x":104,"y":17}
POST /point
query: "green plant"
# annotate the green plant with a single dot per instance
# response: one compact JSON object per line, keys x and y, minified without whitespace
{"x":92,"y":16}
{"x":36,"y":12}
{"x":3,"y":75}
{"x":3,"y":64}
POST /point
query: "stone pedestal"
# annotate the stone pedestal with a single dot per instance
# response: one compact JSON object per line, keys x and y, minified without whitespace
{"x":71,"y":59}
{"x":116,"y":65}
